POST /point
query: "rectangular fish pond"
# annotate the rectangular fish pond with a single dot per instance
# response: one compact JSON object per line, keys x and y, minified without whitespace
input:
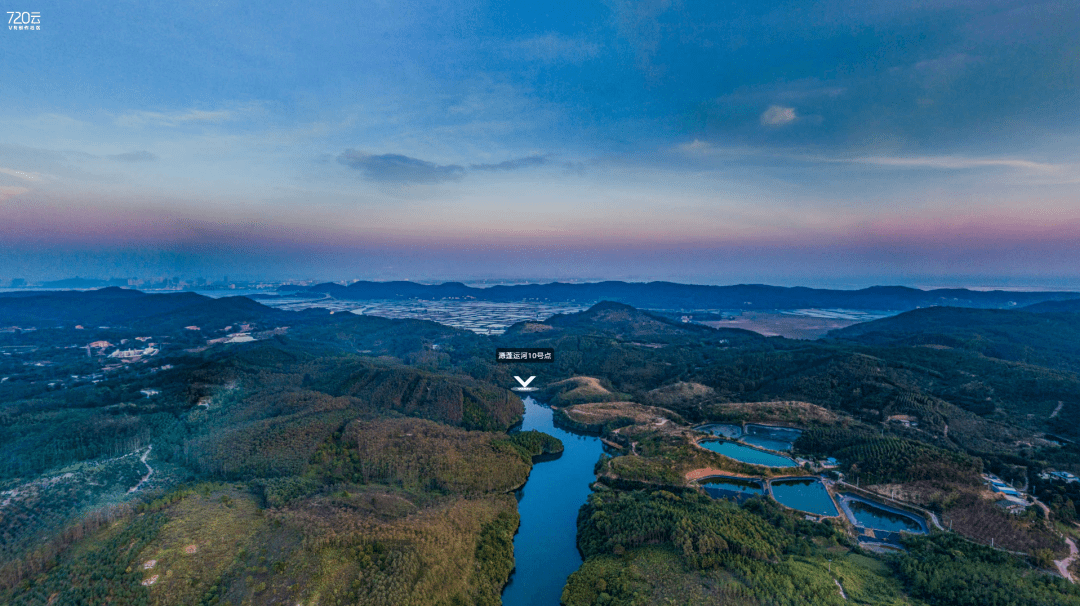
{"x":808,"y":495}
{"x":722,"y":430}
{"x":746,"y":454}
{"x":736,"y":489}
{"x":876,"y":516}
{"x":771,"y":437}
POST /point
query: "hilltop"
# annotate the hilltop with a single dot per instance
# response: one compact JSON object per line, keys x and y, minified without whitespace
{"x":622,"y":322}
{"x":115,"y":306}
{"x":1067,"y":306}
{"x":1046,"y":339}
{"x":342,"y":453}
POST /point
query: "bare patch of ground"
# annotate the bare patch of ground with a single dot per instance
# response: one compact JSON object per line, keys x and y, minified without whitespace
{"x":679,"y":392}
{"x":1063,"y":565}
{"x":599,"y":413}
{"x":577,"y":390}
{"x":704,"y":472}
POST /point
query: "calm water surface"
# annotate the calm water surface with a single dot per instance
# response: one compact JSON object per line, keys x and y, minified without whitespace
{"x":771,"y":437}
{"x":880,"y":518}
{"x":768,"y":443}
{"x":723,"y":430}
{"x":805,"y":495}
{"x":731,"y":488}
{"x":545,"y":548}
{"x":749,"y":455}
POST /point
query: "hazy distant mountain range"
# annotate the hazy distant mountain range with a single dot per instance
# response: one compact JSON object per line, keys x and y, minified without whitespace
{"x":668,"y":295}
{"x":120,"y":306}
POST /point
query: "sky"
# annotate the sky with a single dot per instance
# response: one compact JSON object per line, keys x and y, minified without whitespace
{"x":836,"y":143}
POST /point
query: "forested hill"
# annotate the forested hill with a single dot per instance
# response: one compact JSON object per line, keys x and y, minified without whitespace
{"x":346,"y":459}
{"x":123,"y":307}
{"x":669,"y":295}
{"x":1046,"y":339}
{"x":626,"y":323}
{"x":1067,"y":306}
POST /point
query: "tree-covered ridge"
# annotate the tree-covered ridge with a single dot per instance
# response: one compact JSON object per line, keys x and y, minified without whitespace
{"x":391,"y":436}
{"x":706,"y":531}
{"x":457,"y":400}
{"x":273,"y":417}
{"x":877,"y":459}
{"x":670,"y":295}
{"x":645,"y":547}
{"x":415,"y":454}
{"x":101,"y":571}
{"x":945,"y":570}
{"x":1045,"y":339}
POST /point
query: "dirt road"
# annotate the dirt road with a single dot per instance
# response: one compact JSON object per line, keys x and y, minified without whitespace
{"x":1063,"y":565}
{"x":149,"y":470}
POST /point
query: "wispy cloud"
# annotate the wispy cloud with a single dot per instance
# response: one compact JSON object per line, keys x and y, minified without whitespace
{"x":949,"y":162}
{"x":700,"y":148}
{"x":786,"y":91}
{"x":515,"y":164}
{"x":697,"y":146}
{"x":189,"y":116}
{"x":174,"y":119}
{"x":27,"y":176}
{"x":9,"y":191}
{"x":135,"y":156}
{"x":777,"y":115}
{"x":552,"y":48}
{"x":396,"y":168}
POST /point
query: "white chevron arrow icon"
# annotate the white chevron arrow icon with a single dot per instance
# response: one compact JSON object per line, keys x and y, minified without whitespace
{"x":524,"y":383}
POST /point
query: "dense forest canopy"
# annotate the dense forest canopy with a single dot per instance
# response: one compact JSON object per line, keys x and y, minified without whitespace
{"x":364,"y":460}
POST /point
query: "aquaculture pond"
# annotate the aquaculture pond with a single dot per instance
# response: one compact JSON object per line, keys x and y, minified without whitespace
{"x":747,"y":454}
{"x":722,"y":430}
{"x":807,"y":495}
{"x":736,"y":489}
{"x":545,"y":547}
{"x":771,"y":437}
{"x":880,"y":517}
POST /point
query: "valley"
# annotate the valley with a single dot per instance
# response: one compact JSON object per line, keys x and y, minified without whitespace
{"x":344,"y":454}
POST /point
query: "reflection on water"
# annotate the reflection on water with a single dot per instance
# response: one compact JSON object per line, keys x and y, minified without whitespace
{"x":769,"y":437}
{"x":731,"y":488}
{"x":545,"y":547}
{"x":767,"y":443}
{"x":881,"y":518}
{"x":807,"y":495}
{"x":722,"y":430}
{"x":748,"y":455}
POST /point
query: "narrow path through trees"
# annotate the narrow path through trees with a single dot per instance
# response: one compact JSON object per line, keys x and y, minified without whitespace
{"x":149,"y":470}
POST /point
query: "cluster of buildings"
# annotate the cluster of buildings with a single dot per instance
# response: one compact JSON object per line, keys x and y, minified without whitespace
{"x":1014,"y":501}
{"x":1059,"y":476}
{"x":134,"y":355}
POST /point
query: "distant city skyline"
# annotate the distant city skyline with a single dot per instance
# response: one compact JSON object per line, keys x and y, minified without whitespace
{"x":825,"y":143}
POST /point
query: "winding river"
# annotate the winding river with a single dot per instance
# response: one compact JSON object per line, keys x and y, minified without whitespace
{"x":545,"y":547}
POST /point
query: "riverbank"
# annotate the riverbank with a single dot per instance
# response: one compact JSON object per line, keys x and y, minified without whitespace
{"x":545,"y":546}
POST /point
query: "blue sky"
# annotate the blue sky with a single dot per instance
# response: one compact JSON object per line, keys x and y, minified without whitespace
{"x":832,"y":143}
